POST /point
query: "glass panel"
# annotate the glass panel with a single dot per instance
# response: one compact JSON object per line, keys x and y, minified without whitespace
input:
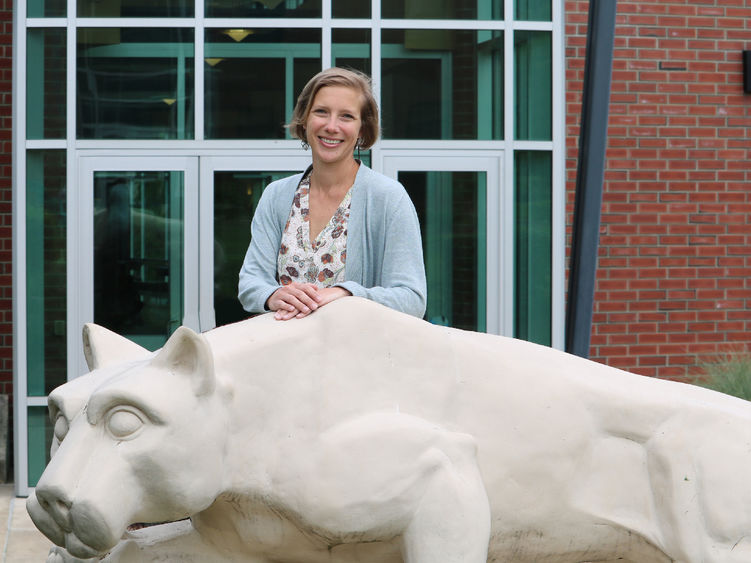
{"x":350,"y":8}
{"x":443,"y":9}
{"x":351,"y":49}
{"x":533,"y":246}
{"x":135,"y":83}
{"x":135,"y":8}
{"x":253,"y":77}
{"x":236,"y":196}
{"x":138,"y":254}
{"x":46,"y":8}
{"x":451,"y":209}
{"x":46,"y":281}
{"x":40,"y":439}
{"x":442,"y":84}
{"x":533,"y":82}
{"x":533,"y":10}
{"x":263,"y":9}
{"x":45,"y":83}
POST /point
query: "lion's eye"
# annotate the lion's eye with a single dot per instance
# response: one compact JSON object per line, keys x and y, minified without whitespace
{"x":61,"y":427}
{"x":122,"y":423}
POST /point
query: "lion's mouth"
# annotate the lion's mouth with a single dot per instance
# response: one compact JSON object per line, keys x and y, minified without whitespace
{"x":141,"y":525}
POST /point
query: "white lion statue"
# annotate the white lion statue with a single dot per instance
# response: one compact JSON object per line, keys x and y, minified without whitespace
{"x":360,"y":434}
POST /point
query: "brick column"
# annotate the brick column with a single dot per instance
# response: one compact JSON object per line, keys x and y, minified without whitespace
{"x":6,"y":265}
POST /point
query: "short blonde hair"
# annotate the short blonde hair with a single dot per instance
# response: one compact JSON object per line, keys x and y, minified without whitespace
{"x":335,"y":76}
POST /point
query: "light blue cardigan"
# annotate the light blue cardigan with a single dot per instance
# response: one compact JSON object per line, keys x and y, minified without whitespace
{"x":384,"y":248}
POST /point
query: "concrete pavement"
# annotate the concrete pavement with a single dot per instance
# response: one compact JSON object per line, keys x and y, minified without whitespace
{"x":20,"y":540}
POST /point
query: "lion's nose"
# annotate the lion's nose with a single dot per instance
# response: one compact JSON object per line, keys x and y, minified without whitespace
{"x":56,"y":504}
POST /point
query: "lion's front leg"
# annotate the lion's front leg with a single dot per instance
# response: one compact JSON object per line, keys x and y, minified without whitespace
{"x":390,"y":476}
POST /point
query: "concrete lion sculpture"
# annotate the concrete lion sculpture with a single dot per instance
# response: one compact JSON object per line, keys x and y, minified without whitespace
{"x":360,"y":434}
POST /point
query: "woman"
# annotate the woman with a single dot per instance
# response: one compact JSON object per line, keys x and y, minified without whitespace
{"x":339,"y":228}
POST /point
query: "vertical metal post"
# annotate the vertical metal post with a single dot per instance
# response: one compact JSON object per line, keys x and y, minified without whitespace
{"x":590,"y":175}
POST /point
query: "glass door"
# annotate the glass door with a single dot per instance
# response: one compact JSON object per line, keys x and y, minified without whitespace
{"x":138,"y":246}
{"x":458,"y":198}
{"x":230,"y":189}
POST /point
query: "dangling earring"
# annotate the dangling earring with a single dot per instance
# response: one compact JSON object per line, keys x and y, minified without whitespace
{"x":358,"y":144}
{"x":305,"y":145}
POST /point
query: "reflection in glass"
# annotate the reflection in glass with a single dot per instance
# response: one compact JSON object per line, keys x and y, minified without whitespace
{"x":46,"y":282}
{"x":533,"y":10}
{"x":248,"y":94}
{"x":263,"y":9}
{"x":135,"y":83}
{"x":45,"y":83}
{"x":135,"y":8}
{"x":351,"y":49}
{"x":443,"y":9}
{"x":39,"y":429}
{"x":451,"y":210}
{"x":304,"y":70}
{"x":350,"y":8}
{"x":236,"y":196}
{"x":533,"y":76}
{"x":442,"y":84}
{"x":533,"y":243}
{"x":46,"y":8}
{"x":138,"y":254}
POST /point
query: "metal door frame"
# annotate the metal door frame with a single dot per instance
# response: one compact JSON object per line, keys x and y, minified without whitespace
{"x":499,"y":218}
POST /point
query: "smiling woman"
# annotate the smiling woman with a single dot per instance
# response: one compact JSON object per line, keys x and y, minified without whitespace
{"x":339,"y":228}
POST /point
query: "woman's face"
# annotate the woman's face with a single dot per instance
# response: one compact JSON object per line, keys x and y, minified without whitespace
{"x":333,"y":124}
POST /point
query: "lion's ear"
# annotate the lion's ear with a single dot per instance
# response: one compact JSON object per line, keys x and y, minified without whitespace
{"x":187,"y":353}
{"x":102,"y":347}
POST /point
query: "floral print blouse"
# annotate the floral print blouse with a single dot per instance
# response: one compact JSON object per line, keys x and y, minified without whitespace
{"x":321,"y":262}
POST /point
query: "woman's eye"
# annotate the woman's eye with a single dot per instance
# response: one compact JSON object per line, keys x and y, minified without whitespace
{"x":61,"y":428}
{"x":123,"y":423}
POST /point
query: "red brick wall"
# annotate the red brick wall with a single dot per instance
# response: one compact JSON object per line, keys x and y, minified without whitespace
{"x":6,"y":287}
{"x":673,"y":284}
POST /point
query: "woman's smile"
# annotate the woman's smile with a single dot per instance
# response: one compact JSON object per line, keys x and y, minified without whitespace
{"x":330,"y":141}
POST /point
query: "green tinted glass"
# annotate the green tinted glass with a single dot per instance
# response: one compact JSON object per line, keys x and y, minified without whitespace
{"x":252,"y":79}
{"x":139,"y":254}
{"x":442,"y":84}
{"x":351,"y":49}
{"x":443,"y":9}
{"x":263,"y":9}
{"x":533,"y":76}
{"x":135,"y":9}
{"x":533,"y":245}
{"x":39,"y":429}
{"x":533,"y":10}
{"x":236,"y":195}
{"x":46,"y":8}
{"x":45,"y":83}
{"x":350,"y":8}
{"x":451,"y":207}
{"x":46,"y":282}
{"x":135,"y":83}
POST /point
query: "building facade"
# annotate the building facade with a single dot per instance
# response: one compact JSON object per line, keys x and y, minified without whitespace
{"x":144,"y":133}
{"x":673,"y":284}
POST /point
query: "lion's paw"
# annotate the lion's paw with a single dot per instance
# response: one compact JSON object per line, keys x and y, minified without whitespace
{"x":60,"y":555}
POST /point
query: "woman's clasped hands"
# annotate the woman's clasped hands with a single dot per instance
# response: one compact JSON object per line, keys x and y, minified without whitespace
{"x":298,"y":300}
